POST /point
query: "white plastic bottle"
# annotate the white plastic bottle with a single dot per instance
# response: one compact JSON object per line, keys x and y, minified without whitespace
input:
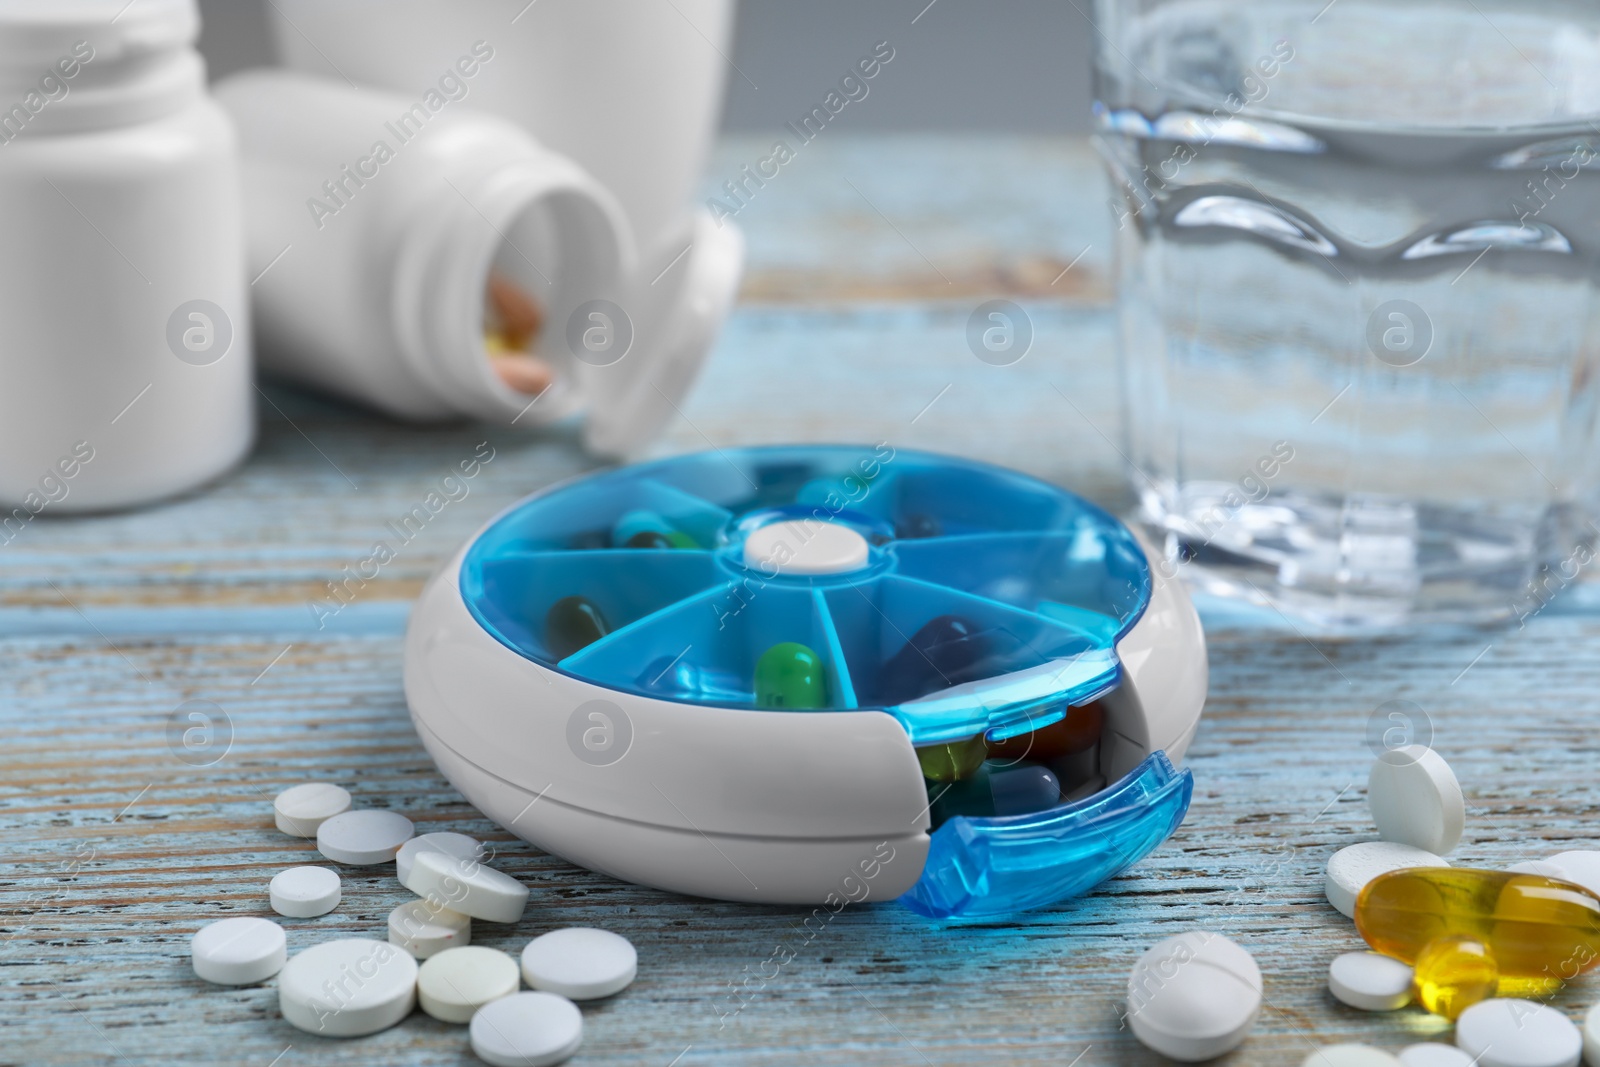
{"x":376,"y":222}
{"x":125,"y":369}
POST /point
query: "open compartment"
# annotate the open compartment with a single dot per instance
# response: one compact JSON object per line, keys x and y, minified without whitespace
{"x":708,"y":649}
{"x":1082,"y":578}
{"x":585,"y":516}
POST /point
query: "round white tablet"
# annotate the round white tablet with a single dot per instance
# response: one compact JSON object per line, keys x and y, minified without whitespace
{"x":1194,"y":996}
{"x":301,"y":809}
{"x":1350,"y":1056}
{"x":467,"y":886}
{"x":1370,"y":982}
{"x":1352,"y":867}
{"x":805,"y":546}
{"x":302,"y":892}
{"x":363,"y":838}
{"x":460,"y":846}
{"x":424,"y":929}
{"x":1591,"y":1037}
{"x":580,"y":963}
{"x":1416,"y":800}
{"x":348,"y":988}
{"x":1504,"y":1032}
{"x":1545,"y":868}
{"x":1433,"y":1054}
{"x":238,"y":951}
{"x":458,"y":981}
{"x":1581,"y":867}
{"x":527,"y":1030}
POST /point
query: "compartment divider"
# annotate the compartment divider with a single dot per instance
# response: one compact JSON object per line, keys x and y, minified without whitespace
{"x":710,"y":518}
{"x":841,"y":668}
{"x":574,"y":662}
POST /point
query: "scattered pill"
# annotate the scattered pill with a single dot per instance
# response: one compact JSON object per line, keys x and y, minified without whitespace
{"x":580,"y":963}
{"x":528,"y":375}
{"x":954,"y":760}
{"x":424,"y":928}
{"x":1518,"y":1033}
{"x":1581,"y":867}
{"x":789,"y":675}
{"x":1349,"y":1056}
{"x":239,"y":951}
{"x":363,"y":838}
{"x":572,"y":623}
{"x":1078,"y":731}
{"x":633,"y":523}
{"x":467,"y":886}
{"x":347,"y":988}
{"x":805,"y":547}
{"x":1416,"y":800}
{"x":1194,"y":996}
{"x":458,"y":981}
{"x":304,"y":892}
{"x":301,"y":809}
{"x":1591,"y":1037}
{"x":1541,"y":867}
{"x":1370,"y":982}
{"x":527,"y":1030}
{"x":460,"y":846}
{"x":1453,"y":973}
{"x":1352,"y":867}
{"x":1433,"y":1054}
{"x":995,"y":790}
{"x":1533,"y":926}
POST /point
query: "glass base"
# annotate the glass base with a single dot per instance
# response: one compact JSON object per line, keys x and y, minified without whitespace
{"x":1367,"y":563}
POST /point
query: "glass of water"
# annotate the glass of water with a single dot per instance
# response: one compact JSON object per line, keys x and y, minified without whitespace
{"x":1357,"y":265}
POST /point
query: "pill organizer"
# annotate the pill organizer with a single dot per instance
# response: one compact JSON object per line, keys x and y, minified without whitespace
{"x":693,"y":674}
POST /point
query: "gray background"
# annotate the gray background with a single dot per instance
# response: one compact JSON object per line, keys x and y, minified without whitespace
{"x":997,"y":65}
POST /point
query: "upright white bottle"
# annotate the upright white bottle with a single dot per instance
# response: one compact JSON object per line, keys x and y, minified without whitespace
{"x":125,"y":369}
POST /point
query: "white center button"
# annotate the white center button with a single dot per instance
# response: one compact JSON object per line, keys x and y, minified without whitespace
{"x":805,"y":546}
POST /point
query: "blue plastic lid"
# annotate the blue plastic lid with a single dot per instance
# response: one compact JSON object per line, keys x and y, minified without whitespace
{"x":988,"y":601}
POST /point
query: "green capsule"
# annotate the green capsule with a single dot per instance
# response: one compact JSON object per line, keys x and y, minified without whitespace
{"x":790,"y":675}
{"x":953,"y":760}
{"x":572,"y":623}
{"x":648,"y":539}
{"x":679,"y":539}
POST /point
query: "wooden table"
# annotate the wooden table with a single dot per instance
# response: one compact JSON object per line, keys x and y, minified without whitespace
{"x":866,"y":257}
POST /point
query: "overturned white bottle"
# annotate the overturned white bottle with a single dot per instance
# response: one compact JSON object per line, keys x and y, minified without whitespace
{"x":379,"y":224}
{"x":125,"y":371}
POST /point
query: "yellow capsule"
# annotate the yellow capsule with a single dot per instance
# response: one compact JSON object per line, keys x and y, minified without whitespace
{"x":1540,"y":931}
{"x":1452,"y":974}
{"x":954,"y":760}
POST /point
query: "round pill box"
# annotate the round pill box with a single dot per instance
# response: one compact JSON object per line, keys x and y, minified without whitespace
{"x":693,"y":674}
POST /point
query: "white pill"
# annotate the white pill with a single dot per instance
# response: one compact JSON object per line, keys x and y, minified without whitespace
{"x":1591,"y":1037}
{"x":1416,"y":800}
{"x":1370,"y":982}
{"x":1350,"y":1056}
{"x":425,"y":929}
{"x":1194,"y":996}
{"x":1544,"y":868}
{"x":363,"y":838}
{"x":348,"y":988}
{"x":805,"y":547}
{"x":527,"y":1030}
{"x":467,"y":886}
{"x":301,"y":809}
{"x":457,"y":982}
{"x":1504,"y":1032}
{"x":1433,"y":1054}
{"x":460,"y":846}
{"x":580,"y":963}
{"x":1582,"y":868}
{"x":304,"y":892}
{"x":238,"y":951}
{"x":1352,"y":867}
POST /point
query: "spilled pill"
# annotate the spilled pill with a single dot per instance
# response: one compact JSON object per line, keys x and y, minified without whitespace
{"x":1370,"y":982}
{"x":363,"y":838}
{"x":301,"y":809}
{"x":304,"y":892}
{"x":1416,"y":800}
{"x":580,"y":963}
{"x":454,"y":984}
{"x":527,"y":1030}
{"x":1352,"y":867}
{"x":238,"y":951}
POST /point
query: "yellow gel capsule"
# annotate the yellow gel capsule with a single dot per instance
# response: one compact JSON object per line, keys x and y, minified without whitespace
{"x":953,"y":761}
{"x":1452,"y":974}
{"x":1540,"y":931}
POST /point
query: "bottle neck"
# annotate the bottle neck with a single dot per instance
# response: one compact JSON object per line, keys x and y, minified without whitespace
{"x":539,"y":218}
{"x":83,"y":89}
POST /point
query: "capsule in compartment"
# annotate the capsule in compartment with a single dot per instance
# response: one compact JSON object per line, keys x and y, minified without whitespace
{"x":1539,"y":930}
